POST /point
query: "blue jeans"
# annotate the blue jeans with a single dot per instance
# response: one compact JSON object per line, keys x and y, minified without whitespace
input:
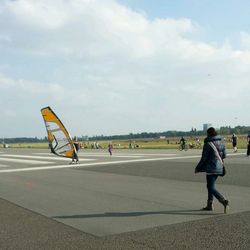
{"x":212,"y":192}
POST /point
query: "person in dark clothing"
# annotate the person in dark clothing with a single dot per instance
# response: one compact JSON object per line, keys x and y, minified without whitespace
{"x":182,"y":142}
{"x":211,"y":162}
{"x":234,"y":142}
{"x":248,"y":143}
{"x":75,"y":153}
{"x":110,"y":149}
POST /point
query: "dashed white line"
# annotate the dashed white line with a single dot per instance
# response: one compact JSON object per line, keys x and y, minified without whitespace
{"x":115,"y":155}
{"x":97,"y":164}
{"x":24,"y":161}
{"x":103,"y":163}
{"x":42,"y":157}
{"x":102,"y":155}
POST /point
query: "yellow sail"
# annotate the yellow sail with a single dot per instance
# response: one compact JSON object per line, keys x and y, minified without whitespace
{"x":60,"y":141}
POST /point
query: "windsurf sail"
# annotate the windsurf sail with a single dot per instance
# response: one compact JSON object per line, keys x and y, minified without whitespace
{"x":60,"y":141}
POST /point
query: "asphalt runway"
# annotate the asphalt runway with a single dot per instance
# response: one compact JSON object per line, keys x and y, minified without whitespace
{"x":136,"y":199}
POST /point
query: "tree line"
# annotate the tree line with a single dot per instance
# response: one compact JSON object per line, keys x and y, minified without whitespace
{"x":226,"y":130}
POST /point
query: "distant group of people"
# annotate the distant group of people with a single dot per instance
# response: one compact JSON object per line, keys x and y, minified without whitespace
{"x":133,"y":146}
{"x":234,"y":141}
{"x":77,"y":146}
{"x":184,"y":145}
{"x":182,"y":142}
{"x":95,"y":145}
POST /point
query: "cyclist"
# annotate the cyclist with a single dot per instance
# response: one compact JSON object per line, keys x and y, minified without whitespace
{"x":183,"y":142}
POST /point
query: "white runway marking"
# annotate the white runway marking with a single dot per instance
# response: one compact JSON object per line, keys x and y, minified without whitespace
{"x":102,"y":155}
{"x":24,"y":161}
{"x":103,"y":163}
{"x":123,"y":155}
{"x":44,"y":157}
{"x":234,"y":154}
{"x":97,"y":164}
{"x":151,"y":154}
{"x":107,"y":155}
{"x":118,"y":155}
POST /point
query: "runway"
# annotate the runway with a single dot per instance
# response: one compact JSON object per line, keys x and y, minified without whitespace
{"x":106,"y":199}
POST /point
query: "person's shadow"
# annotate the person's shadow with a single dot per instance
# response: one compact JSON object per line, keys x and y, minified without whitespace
{"x":135,"y":214}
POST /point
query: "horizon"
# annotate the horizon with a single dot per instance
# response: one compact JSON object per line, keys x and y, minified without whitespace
{"x":134,"y":133}
{"x":120,"y":66}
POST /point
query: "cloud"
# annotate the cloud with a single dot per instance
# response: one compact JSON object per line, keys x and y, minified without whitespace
{"x":89,"y":28}
{"x":109,"y":68}
{"x":245,"y":39}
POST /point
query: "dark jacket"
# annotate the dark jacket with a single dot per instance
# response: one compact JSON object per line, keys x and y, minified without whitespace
{"x":209,"y":162}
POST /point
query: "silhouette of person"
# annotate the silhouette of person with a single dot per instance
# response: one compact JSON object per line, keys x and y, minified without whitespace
{"x":75,"y":157}
{"x":110,"y":148}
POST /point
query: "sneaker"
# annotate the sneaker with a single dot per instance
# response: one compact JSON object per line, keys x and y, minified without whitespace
{"x":207,"y":209}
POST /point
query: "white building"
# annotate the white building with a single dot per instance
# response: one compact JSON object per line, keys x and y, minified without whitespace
{"x":206,"y":126}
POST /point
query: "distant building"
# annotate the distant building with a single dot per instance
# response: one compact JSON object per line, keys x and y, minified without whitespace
{"x":206,"y":126}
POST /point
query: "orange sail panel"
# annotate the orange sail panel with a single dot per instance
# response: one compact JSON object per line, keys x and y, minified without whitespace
{"x":60,"y":141}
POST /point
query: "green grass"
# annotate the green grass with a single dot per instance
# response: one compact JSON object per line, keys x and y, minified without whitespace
{"x":168,"y":143}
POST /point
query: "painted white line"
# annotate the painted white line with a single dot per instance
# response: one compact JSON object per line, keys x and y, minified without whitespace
{"x":104,"y":163}
{"x":97,"y":164}
{"x":118,"y":155}
{"x":234,"y":154}
{"x":3,"y":166}
{"x":114,"y":155}
{"x":124,"y":155}
{"x":103,"y":155}
{"x":150,"y":154}
{"x":24,"y":161}
{"x":128,"y":154}
{"x":43,"y":157}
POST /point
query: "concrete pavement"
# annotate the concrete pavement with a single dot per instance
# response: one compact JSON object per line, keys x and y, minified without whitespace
{"x":125,"y":205}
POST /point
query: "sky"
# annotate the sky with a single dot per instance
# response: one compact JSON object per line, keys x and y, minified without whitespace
{"x":123,"y":66}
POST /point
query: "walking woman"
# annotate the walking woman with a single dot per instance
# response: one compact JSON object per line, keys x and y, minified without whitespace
{"x":110,"y":148}
{"x":211,"y":162}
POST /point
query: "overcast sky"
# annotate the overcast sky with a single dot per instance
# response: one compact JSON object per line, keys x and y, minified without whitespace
{"x":123,"y":66}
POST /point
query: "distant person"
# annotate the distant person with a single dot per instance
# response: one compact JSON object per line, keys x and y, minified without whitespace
{"x":234,"y":142}
{"x":211,"y":162}
{"x":75,"y":153}
{"x":110,"y":149}
{"x":248,"y":144}
{"x":183,"y":142}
